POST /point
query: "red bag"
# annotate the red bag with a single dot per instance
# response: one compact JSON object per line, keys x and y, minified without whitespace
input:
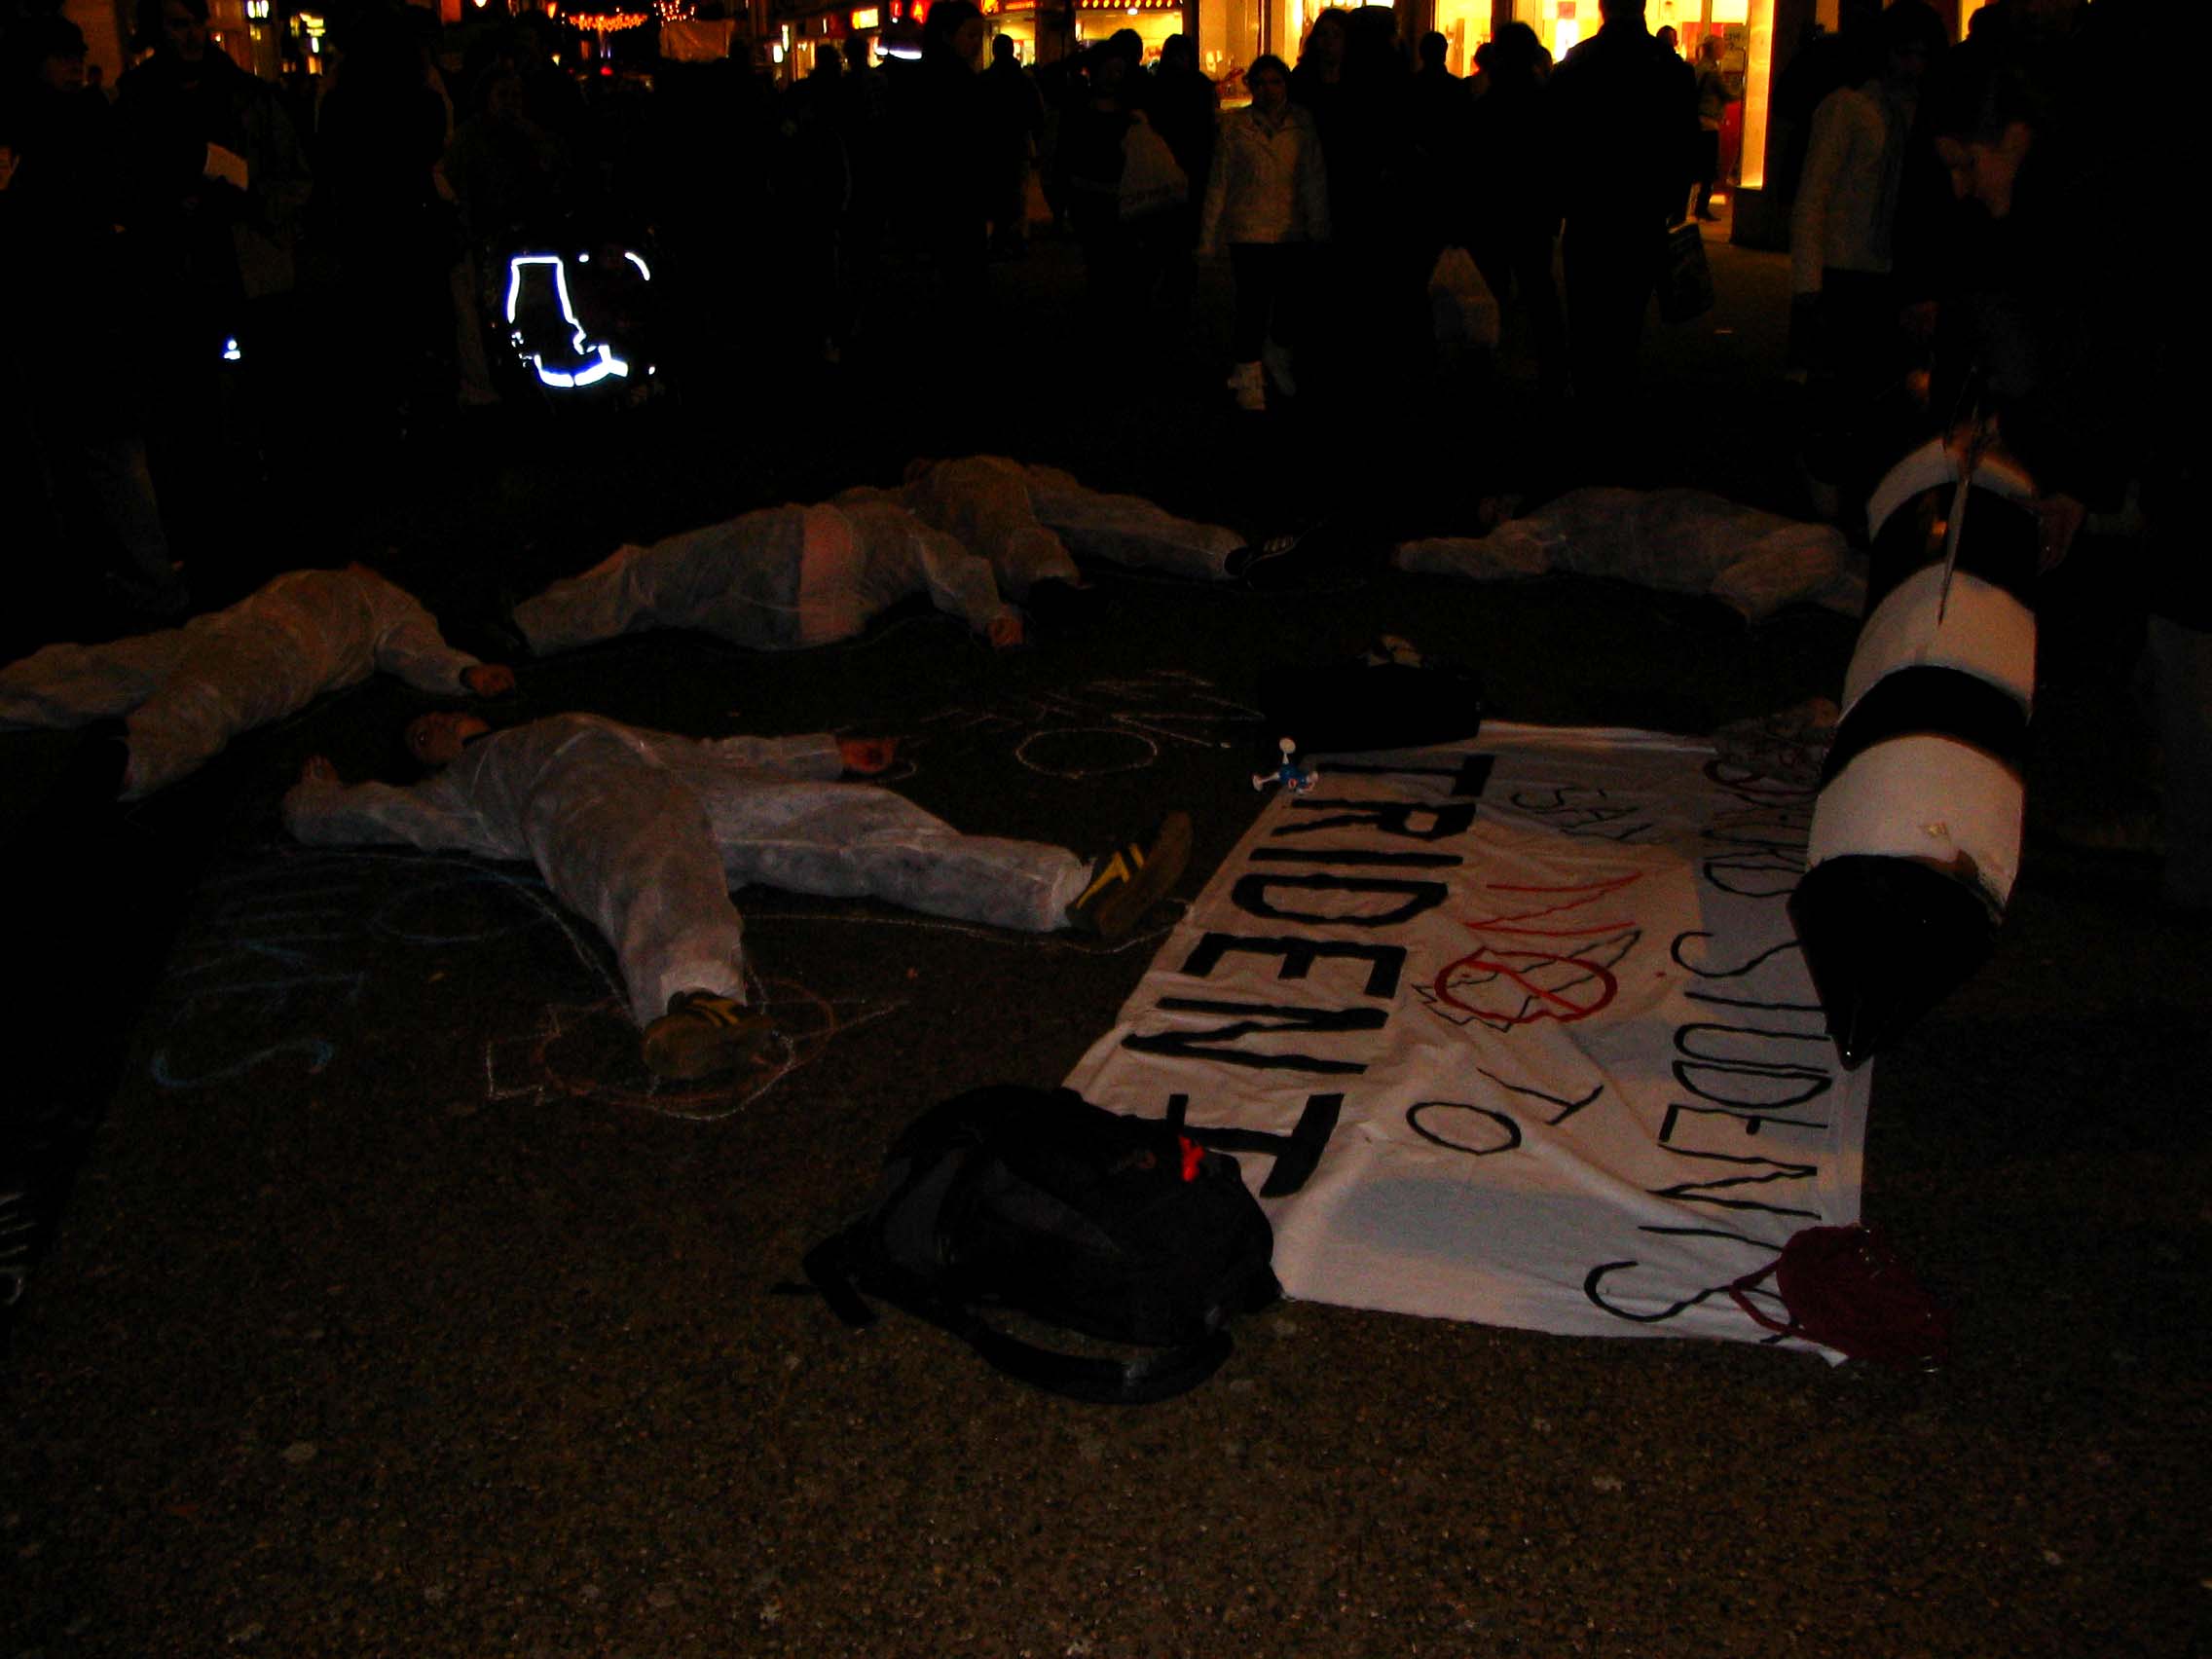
{"x":1846,"y":1289}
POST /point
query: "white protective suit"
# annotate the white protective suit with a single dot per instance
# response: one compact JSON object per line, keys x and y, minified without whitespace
{"x":187,"y":691}
{"x":645,"y":833}
{"x":774,"y":579}
{"x":1680,"y":540}
{"x":1028,"y":520}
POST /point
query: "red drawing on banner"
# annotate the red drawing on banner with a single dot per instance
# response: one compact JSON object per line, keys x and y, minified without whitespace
{"x":1549,"y":954}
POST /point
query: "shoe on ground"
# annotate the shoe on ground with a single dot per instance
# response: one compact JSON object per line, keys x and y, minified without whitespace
{"x":1241,"y":562}
{"x":703,"y":1034}
{"x":1133,"y":878}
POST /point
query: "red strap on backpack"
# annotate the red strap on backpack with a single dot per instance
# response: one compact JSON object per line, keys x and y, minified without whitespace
{"x":1845,"y":1288}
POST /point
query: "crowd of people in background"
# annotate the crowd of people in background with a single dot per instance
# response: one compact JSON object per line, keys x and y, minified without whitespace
{"x":231,"y":262}
{"x":219,"y":255}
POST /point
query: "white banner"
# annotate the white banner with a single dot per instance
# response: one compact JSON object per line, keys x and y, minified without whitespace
{"x":1514,"y":1031}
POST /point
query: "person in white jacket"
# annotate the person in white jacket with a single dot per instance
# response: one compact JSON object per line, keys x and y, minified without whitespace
{"x":776,"y":578}
{"x":1676,"y":541}
{"x":1030,"y":521}
{"x":185,"y":692}
{"x":645,"y":833}
{"x":1840,"y":247}
{"x":1267,"y":203}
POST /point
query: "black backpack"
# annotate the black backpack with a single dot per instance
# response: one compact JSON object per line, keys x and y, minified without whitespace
{"x":1120,"y":1227}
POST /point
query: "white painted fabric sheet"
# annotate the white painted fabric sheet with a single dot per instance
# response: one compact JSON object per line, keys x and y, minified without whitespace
{"x":1549,"y":988}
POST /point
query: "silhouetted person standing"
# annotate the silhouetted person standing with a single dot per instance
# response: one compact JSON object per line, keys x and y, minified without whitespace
{"x":941,"y":120}
{"x":1627,"y":135}
{"x":214,"y":181}
{"x":1017,"y":122}
{"x":1714,"y":97}
{"x":380,"y":134}
{"x":1442,"y":104}
{"x":1184,"y":108}
{"x":72,"y":382}
{"x":1516,"y":165}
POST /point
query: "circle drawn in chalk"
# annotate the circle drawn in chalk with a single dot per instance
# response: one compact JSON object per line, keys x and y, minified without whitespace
{"x":496,"y":894}
{"x":1077,"y":752}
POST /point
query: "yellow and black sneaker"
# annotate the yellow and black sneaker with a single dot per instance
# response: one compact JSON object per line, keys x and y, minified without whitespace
{"x":1133,"y":878}
{"x":702,"y":1034}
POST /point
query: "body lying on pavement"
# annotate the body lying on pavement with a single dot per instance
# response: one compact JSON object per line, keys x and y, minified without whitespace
{"x":646,"y":832}
{"x":776,"y":578}
{"x":1030,"y":521}
{"x":1679,"y":540}
{"x":185,"y":692}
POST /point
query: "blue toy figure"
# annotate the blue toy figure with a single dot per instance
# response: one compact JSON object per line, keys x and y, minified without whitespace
{"x":1297,"y":779}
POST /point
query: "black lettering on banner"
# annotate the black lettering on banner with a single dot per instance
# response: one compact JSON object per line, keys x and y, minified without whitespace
{"x":1760,"y":961}
{"x":1752,"y":1002}
{"x":1435,"y":1137}
{"x":1704,"y":1192}
{"x":1567,"y":1108}
{"x":1356,"y":856}
{"x":1296,"y":1154}
{"x":1594,"y":1279}
{"x":1765,"y":1087}
{"x":1469,"y":779}
{"x":1210,"y":1045}
{"x":1766,"y":856}
{"x":1250,"y":894}
{"x":1576,"y":811}
{"x":1386,"y":960}
{"x":1386,"y":817}
{"x":1594,"y":1282}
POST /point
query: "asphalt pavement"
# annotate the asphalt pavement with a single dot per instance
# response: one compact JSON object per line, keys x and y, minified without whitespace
{"x":370,"y":1300}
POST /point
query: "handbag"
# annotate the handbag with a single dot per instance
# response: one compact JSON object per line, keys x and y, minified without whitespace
{"x":1152,"y":179}
{"x":1845,"y":1288}
{"x":1685,"y":279}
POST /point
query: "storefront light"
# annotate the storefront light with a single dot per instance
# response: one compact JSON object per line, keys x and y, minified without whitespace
{"x":1731,"y":11}
{"x":865,"y":17}
{"x":1758,"y":70}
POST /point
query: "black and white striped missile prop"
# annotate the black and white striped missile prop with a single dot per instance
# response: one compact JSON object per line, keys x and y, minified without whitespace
{"x":1916,"y":831}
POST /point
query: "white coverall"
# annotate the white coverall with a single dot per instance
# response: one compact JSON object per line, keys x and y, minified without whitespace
{"x":645,"y":833}
{"x":774,"y":579}
{"x":1679,"y":540}
{"x":1026,"y":520}
{"x":187,"y":691}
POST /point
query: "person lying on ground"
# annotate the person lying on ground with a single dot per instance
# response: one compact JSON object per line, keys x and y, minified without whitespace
{"x":776,"y":578}
{"x":185,"y":692}
{"x":1031,"y":521}
{"x":646,"y":834}
{"x":1680,"y":540}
